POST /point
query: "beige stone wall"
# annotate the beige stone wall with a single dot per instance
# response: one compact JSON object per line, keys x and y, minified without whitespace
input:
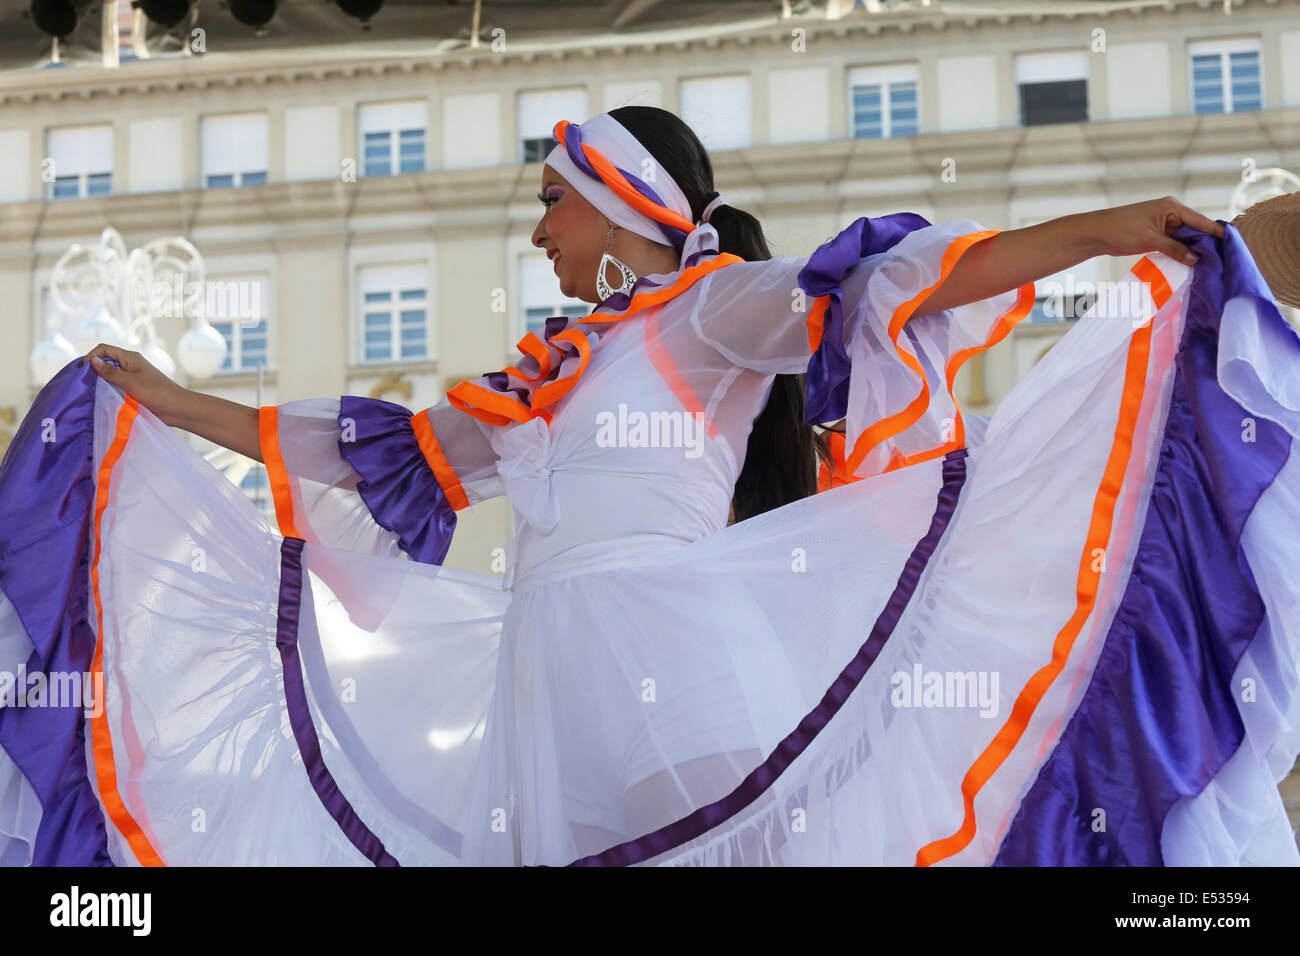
{"x":470,"y":214}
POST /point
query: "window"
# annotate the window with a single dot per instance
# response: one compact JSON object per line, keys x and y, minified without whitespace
{"x":1225,"y":76}
{"x":539,"y":111}
{"x":82,"y":161}
{"x":392,"y":138}
{"x":237,"y":307}
{"x":883,"y":101}
{"x":257,"y":486}
{"x":1067,"y":295}
{"x":125,"y":16}
{"x":234,"y":150}
{"x":535,"y":317}
{"x":394,"y":313}
{"x":541,"y":295}
{"x":1053,"y":87}
{"x":718,"y":109}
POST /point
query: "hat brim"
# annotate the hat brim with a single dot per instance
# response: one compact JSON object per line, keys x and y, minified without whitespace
{"x":1271,"y":231}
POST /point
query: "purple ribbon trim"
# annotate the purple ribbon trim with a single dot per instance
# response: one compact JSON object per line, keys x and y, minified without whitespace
{"x":397,"y":485}
{"x":295,"y":693}
{"x":1159,"y":717}
{"x":367,"y":767}
{"x":573,"y":146}
{"x":765,"y":774}
{"x":47,"y":495}
{"x":826,"y":383}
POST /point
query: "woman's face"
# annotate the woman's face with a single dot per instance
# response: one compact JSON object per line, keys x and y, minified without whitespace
{"x":572,"y":231}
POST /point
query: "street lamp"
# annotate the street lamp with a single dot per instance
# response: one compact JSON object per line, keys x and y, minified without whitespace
{"x":102,"y":294}
{"x":1265,"y":184}
{"x":1262,"y":184}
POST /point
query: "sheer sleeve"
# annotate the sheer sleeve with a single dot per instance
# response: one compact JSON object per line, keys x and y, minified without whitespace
{"x":369,"y":475}
{"x":770,"y":315}
{"x":843,"y":316}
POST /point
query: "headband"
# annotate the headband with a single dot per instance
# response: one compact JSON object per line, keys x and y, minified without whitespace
{"x":619,"y":176}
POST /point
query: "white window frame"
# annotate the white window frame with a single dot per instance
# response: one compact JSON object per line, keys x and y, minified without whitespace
{"x":230,"y":144}
{"x":240,"y":326}
{"x":537,"y":112}
{"x":84,"y":146}
{"x":1092,"y":271}
{"x":257,"y":475}
{"x":393,"y":118}
{"x":723,"y":119}
{"x":393,"y":278}
{"x":886,"y":77}
{"x":540,"y":289}
{"x":1224,"y":49}
{"x":1053,"y":66}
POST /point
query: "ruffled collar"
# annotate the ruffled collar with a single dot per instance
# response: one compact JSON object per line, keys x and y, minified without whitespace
{"x":555,"y":361}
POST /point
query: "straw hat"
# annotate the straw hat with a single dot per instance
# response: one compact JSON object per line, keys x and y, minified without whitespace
{"x":1271,"y":230}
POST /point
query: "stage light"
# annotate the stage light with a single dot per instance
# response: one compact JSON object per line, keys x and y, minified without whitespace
{"x":363,"y":10}
{"x":253,"y":13}
{"x":58,"y":18}
{"x":165,"y":13}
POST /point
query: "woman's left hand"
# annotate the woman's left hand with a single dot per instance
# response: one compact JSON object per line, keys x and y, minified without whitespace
{"x":1143,"y":227}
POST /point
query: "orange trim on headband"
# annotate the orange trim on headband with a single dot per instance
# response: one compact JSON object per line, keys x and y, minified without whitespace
{"x":612,"y":178}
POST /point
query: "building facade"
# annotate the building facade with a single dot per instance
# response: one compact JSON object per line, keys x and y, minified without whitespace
{"x":372,"y":214}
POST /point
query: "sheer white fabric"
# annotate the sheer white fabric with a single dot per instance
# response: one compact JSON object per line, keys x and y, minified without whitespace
{"x":646,"y":657}
{"x":20,"y":808}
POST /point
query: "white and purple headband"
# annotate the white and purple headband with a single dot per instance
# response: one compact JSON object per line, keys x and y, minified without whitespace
{"x":621,"y":178}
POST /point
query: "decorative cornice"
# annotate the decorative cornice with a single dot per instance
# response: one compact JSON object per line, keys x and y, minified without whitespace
{"x":994,"y":165}
{"x":205,"y":71}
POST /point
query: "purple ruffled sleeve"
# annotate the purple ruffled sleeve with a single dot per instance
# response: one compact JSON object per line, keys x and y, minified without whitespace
{"x":397,"y":483}
{"x":367,"y":475}
{"x":826,"y":382}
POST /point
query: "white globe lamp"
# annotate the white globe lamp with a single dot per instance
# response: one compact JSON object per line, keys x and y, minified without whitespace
{"x":201,"y":349}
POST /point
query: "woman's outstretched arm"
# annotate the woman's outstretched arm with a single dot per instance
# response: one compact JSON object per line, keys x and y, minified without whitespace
{"x":1015,"y":257}
{"x":219,"y":420}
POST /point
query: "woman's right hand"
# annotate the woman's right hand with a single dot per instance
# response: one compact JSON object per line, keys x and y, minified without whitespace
{"x":139,"y":379}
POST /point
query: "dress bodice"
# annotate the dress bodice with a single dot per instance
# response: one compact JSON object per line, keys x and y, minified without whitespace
{"x":625,"y":469}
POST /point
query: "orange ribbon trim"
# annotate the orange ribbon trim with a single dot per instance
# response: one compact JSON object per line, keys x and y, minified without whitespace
{"x":494,"y":407}
{"x":1097,"y":537}
{"x":892,"y":425}
{"x":100,"y":737}
{"x":612,"y":178}
{"x":431,"y":448}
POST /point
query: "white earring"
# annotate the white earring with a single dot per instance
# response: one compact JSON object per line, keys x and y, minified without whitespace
{"x":603,"y":290}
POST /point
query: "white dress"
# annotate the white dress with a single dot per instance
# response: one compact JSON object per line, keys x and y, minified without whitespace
{"x":969,"y":655}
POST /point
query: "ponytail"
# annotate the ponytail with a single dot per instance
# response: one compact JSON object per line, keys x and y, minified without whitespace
{"x":784,"y":452}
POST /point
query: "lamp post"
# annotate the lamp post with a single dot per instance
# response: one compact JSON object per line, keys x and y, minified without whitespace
{"x":1260,"y":185}
{"x":103,"y":294}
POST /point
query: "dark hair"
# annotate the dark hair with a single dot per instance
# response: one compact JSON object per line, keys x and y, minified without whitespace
{"x":782,"y":457}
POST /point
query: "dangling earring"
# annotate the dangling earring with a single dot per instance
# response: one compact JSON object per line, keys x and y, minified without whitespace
{"x":603,"y":290}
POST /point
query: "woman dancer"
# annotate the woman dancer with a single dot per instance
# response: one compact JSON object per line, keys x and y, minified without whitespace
{"x":1025,"y":645}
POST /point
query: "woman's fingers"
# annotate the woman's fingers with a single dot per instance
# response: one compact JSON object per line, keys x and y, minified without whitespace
{"x":102,"y":351}
{"x":1196,"y":220}
{"x":99,"y":357}
{"x":1175,"y":214}
{"x":1173,"y":248}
